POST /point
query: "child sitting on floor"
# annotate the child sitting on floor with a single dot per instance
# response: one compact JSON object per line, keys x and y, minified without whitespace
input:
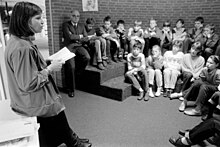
{"x":172,"y":67}
{"x":203,"y":88}
{"x":154,"y":65}
{"x":136,"y":73}
{"x":97,"y":42}
{"x":192,"y":66}
{"x":136,"y":33}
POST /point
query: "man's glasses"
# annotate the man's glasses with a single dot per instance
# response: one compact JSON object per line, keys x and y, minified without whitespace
{"x":75,"y":15}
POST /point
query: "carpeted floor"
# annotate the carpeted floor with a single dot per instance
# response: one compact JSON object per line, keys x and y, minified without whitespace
{"x":131,"y":123}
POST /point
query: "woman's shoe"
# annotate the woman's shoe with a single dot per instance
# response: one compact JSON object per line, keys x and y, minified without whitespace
{"x":193,"y":112}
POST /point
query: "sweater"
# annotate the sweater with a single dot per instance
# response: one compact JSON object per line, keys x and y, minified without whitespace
{"x":193,"y":66}
{"x":173,"y":61}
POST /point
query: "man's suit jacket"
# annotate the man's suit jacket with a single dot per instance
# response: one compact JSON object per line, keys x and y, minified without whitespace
{"x":71,"y":35}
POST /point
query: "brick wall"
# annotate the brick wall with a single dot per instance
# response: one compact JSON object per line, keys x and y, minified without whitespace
{"x":130,"y":10}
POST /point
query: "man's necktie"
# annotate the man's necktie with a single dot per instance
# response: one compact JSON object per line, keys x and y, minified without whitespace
{"x":75,"y":28}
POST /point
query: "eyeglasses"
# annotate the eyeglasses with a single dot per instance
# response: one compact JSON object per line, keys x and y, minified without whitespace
{"x":75,"y":15}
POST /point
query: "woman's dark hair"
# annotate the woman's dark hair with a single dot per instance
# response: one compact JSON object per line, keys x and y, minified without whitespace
{"x":21,"y":14}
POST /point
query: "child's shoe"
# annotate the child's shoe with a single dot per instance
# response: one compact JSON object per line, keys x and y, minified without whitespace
{"x":151,"y":94}
{"x":165,"y":94}
{"x":100,"y":66}
{"x":120,"y":58}
{"x":169,"y":93}
{"x":141,"y":95}
{"x":109,"y":61}
{"x":104,"y":63}
{"x":114,"y":59}
{"x":158,"y":92}
{"x":146,"y":98}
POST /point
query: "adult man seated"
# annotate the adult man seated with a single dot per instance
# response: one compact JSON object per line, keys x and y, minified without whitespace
{"x":74,"y":37}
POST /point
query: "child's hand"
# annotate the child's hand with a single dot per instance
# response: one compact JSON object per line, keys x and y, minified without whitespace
{"x":105,"y":35}
{"x":218,"y":87}
{"x":158,"y":65}
{"x":192,"y":80}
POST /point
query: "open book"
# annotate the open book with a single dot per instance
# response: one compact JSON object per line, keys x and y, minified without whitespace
{"x":64,"y":54}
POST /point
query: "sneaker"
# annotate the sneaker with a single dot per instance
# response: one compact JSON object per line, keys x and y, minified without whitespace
{"x":165,"y":94}
{"x":193,"y":112}
{"x":181,"y":98}
{"x":100,"y":66}
{"x":146,"y":98}
{"x":151,"y":94}
{"x":104,"y":63}
{"x":120,"y":58}
{"x":109,"y":61}
{"x":141,"y":96}
{"x":169,"y":93}
{"x":175,"y":95}
{"x":182,"y":107}
{"x":114,"y":59}
{"x":158,"y":92}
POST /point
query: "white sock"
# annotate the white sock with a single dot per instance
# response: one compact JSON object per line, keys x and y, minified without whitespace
{"x":184,"y":141}
{"x":141,"y":90}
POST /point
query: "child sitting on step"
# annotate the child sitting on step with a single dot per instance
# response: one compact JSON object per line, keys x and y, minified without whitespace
{"x":121,"y":33}
{"x":98,"y":43}
{"x":136,"y":33}
{"x":154,"y":64}
{"x":136,"y":73}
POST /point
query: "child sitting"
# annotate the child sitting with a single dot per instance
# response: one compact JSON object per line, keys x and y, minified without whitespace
{"x":154,"y":65}
{"x":121,"y":33}
{"x":210,"y":41}
{"x":99,"y":58}
{"x":172,"y":67}
{"x":195,"y":34}
{"x":136,"y":70}
{"x":112,"y":42}
{"x":203,"y":88}
{"x":136,"y":33}
{"x":192,"y":66}
{"x":152,"y":36}
{"x":179,"y":33}
{"x":166,"y":37}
